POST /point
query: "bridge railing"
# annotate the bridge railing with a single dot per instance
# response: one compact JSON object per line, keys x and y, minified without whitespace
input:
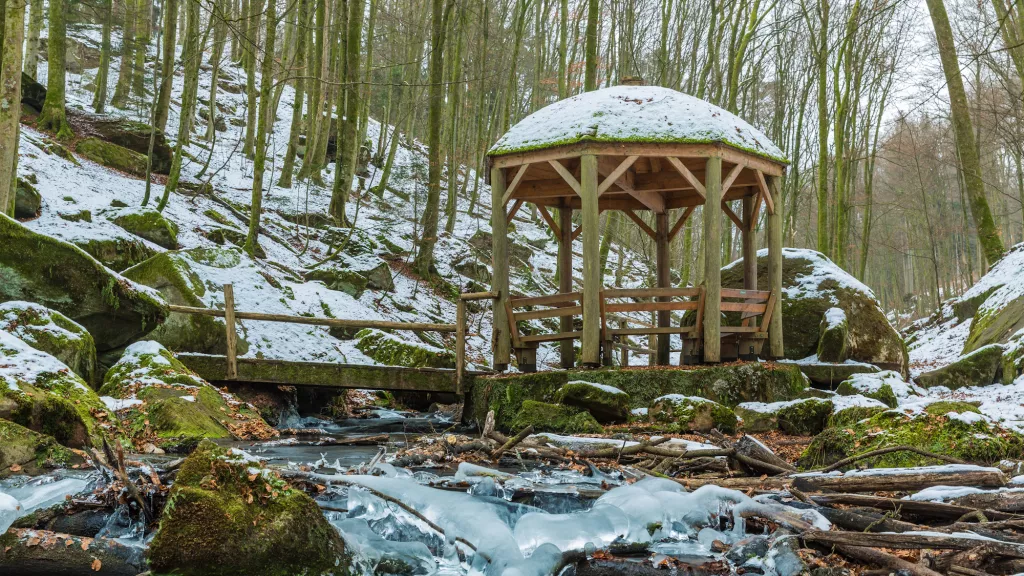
{"x":231,"y":316}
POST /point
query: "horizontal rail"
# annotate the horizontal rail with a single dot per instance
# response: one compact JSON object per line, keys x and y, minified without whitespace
{"x":743,"y":307}
{"x":549,"y":313}
{"x":551,"y":337}
{"x":650,"y":306}
{"x":651,"y":292}
{"x":655,"y":330}
{"x":479,"y":296}
{"x":330,"y":322}
{"x":752,"y":294}
{"x":549,"y":300}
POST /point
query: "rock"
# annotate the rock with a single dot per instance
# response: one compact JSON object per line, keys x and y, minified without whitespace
{"x":474,"y":270}
{"x":812,"y":284}
{"x":149,"y":224}
{"x":51,"y":332}
{"x":978,"y":368}
{"x":757,"y":417}
{"x":116,"y":253}
{"x":26,"y":551}
{"x":784,"y":555}
{"x":62,"y":277}
{"x":805,"y":417}
{"x":28,"y":203}
{"x":1013,"y":358}
{"x":219,"y":124}
{"x":126,"y":134}
{"x":995,"y":303}
{"x":112,"y":156}
{"x":692,"y":414}
{"x":226,"y":510}
{"x":24,"y":451}
{"x":851,"y":409}
{"x":834,"y":331}
{"x":172,"y":408}
{"x":391,"y":350}
{"x":481,"y":241}
{"x":951,"y":428}
{"x":32,"y":93}
{"x":887,"y":387}
{"x":80,"y":216}
{"x":749,"y":547}
{"x":830,"y":374}
{"x":545,"y":417}
{"x":605,"y":403}
{"x":172,"y":274}
{"x":355,"y":277}
{"x":43,"y":394}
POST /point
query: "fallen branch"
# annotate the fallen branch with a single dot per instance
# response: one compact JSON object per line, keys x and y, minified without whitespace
{"x":869,"y":556}
{"x":882,"y":451}
{"x":512,"y":442}
{"x":899,"y":482}
{"x":911,"y":541}
{"x":918,"y":508}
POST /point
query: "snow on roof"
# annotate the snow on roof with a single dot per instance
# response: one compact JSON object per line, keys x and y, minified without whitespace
{"x":634,"y":114}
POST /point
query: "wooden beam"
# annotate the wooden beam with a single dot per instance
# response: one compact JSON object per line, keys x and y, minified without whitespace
{"x":232,"y":335}
{"x":712,"y":240}
{"x":763,"y":187}
{"x":593,"y":276}
{"x":313,"y":321}
{"x":655,"y":164}
{"x":752,"y":225}
{"x":639,"y":222}
{"x":566,"y":175}
{"x":774,"y":233}
{"x":731,"y":177}
{"x":515,"y":208}
{"x":460,"y":344}
{"x":679,"y":223}
{"x":576,"y":233}
{"x":685,"y":172}
{"x":649,"y":198}
{"x":616,"y":174}
{"x":664,"y":278}
{"x":502,"y":351}
{"x":732,"y":215}
{"x":567,"y":354}
{"x":514,"y":184}
{"x":551,"y":222}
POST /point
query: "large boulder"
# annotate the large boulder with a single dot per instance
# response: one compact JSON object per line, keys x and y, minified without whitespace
{"x":115,"y":252}
{"x":25,"y":451}
{"x":227,"y":511}
{"x":54,"y":333}
{"x":355,"y":275}
{"x":112,"y":156}
{"x":163,"y":403}
{"x":887,"y":387}
{"x":546,"y":417}
{"x":978,"y":368}
{"x":390,"y":350}
{"x":62,"y":277}
{"x":805,"y":417}
{"x":149,"y":224}
{"x":995,"y":304}
{"x":812,"y":284}
{"x":172,"y":274}
{"x":954,"y":429}
{"x":605,"y":403}
{"x":126,"y":134}
{"x":834,"y":336}
{"x":691,"y":414}
{"x":27,"y":200}
{"x":43,"y":394}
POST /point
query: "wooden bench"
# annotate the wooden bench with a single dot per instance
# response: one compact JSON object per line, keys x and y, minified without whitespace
{"x":657,"y":300}
{"x":540,"y":307}
{"x":745,"y":340}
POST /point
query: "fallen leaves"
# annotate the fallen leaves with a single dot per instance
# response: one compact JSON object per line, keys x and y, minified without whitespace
{"x":96,"y":565}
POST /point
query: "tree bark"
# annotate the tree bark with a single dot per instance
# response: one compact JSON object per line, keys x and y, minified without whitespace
{"x":10,"y":101}
{"x":53,"y":116}
{"x":265,"y":119}
{"x":99,"y":100}
{"x":35,"y":26}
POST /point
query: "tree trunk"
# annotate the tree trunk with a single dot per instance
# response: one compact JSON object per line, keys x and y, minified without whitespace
{"x":10,"y":91}
{"x":53,"y":116}
{"x":593,"y":14}
{"x":220,"y":31}
{"x":128,"y":46}
{"x":302,"y":27}
{"x":252,"y":48}
{"x":167,"y":63}
{"x":35,"y":26}
{"x":99,"y":100}
{"x":347,"y":146}
{"x":192,"y":55}
{"x":265,"y":119}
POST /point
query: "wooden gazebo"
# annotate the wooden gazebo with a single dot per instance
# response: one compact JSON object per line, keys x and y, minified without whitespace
{"x":633,"y":148}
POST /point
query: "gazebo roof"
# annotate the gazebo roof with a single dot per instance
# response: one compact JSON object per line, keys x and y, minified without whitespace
{"x":643,"y":114}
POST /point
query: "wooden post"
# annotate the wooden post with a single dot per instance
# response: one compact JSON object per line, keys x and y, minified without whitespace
{"x":749,"y":238}
{"x":232,"y":336}
{"x":500,"y":342}
{"x":713,"y":260}
{"x":568,"y":353}
{"x":592,"y":273}
{"x":460,"y":345}
{"x":664,"y":281}
{"x":776,"y":348}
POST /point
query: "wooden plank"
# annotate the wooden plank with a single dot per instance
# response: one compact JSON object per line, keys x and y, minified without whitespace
{"x":329,"y":322}
{"x":513,"y":330}
{"x":460,"y":345}
{"x":639,"y":222}
{"x":502,"y":352}
{"x":650,"y":306}
{"x":478,"y":296}
{"x":651,"y":292}
{"x":753,"y":330}
{"x":685,"y":172}
{"x":727,"y":182}
{"x":549,"y":313}
{"x":552,"y":337}
{"x":231,"y":333}
{"x":679,"y":223}
{"x":768,"y":311}
{"x":774,"y":233}
{"x":654,"y":330}
{"x":616,"y":174}
{"x":593,"y":275}
{"x":515,"y":208}
{"x":750,"y":294}
{"x":569,"y":298}
{"x":742,"y":307}
{"x":273,"y":373}
{"x":713,"y":261}
{"x":732,"y":215}
{"x":566,"y":175}
{"x":576,"y":233}
{"x":566,"y":351}
{"x":515,"y":183}
{"x":765,"y":193}
{"x":551,"y":222}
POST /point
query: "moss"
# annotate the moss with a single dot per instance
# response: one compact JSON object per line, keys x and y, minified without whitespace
{"x":833,"y":336}
{"x":347,"y":281}
{"x":112,"y":156}
{"x":69,"y":342}
{"x":545,"y":417}
{"x":228,"y":517}
{"x":391,"y":351}
{"x":931,"y":430}
{"x":853,"y":414}
{"x":219,"y":218}
{"x":31,"y":451}
{"x":978,"y":368}
{"x":755,"y":420}
{"x":1013,"y":358}
{"x":690,"y":414}
{"x":149,"y":224}
{"x":995,"y":325}
{"x":56,"y":404}
{"x":883,"y":393}
{"x":28,"y":203}
{"x":806,"y":417}
{"x":116,"y":253}
{"x":603,"y":405}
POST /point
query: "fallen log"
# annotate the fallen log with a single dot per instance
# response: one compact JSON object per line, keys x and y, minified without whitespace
{"x":512,"y":442}
{"x":33,"y":552}
{"x":911,"y":540}
{"x":752,"y":448}
{"x":911,"y":480}
{"x":869,"y":556}
{"x":888,"y":450}
{"x":917,"y":508}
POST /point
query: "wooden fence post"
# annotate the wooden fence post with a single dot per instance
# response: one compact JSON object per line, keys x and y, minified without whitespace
{"x":232,"y":336}
{"x":460,"y":345}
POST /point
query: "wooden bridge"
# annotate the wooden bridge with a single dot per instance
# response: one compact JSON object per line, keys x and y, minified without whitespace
{"x":231,"y":368}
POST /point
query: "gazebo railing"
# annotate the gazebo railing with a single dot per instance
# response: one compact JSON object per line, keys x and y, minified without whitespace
{"x":557,"y":305}
{"x":620,"y":305}
{"x":749,"y":335}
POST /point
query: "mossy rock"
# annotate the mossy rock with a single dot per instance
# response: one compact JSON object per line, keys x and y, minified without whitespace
{"x":126,"y":134}
{"x":995,"y":323}
{"x":728,"y":385}
{"x":471,"y":268}
{"x":171,"y":273}
{"x":812,"y":284}
{"x":545,"y":417}
{"x":1013,"y":358}
{"x":79,"y":216}
{"x":149,"y":224}
{"x":756,"y":417}
{"x":227,"y":516}
{"x":691,"y":414}
{"x":60,"y":276}
{"x":481,"y":241}
{"x":116,"y":253}
{"x":179,"y":409}
{"x":356,"y":278}
{"x":830,"y":374}
{"x":229,"y":236}
{"x":978,"y":368}
{"x":972,"y":439}
{"x":112,"y":156}
{"x":31,"y":452}
{"x":882,"y":386}
{"x":805,"y":417}
{"x":28,"y":203}
{"x":43,"y":394}
{"x":390,"y":350}
{"x":834,"y":335}
{"x":54,"y":333}
{"x":605,"y":404}
{"x":995,"y":305}
{"x":855,"y":412}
